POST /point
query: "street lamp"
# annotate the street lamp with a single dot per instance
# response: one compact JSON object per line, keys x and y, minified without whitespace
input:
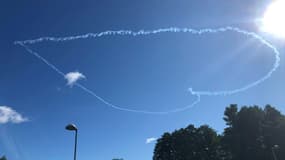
{"x":273,"y":151}
{"x":72,"y":127}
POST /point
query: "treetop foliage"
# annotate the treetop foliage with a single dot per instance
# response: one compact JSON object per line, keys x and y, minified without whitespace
{"x":251,"y":133}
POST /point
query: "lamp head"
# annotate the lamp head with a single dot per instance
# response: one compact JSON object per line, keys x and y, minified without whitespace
{"x":71,"y":127}
{"x":275,"y":146}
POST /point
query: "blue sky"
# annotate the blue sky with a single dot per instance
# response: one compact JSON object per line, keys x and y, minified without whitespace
{"x":151,"y":73}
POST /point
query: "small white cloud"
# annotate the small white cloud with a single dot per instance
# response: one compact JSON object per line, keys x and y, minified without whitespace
{"x":7,"y":115}
{"x":73,"y":77}
{"x":150,"y":140}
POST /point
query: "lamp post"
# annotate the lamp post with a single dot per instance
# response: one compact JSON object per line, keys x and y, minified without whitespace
{"x":273,"y":151}
{"x":72,"y":127}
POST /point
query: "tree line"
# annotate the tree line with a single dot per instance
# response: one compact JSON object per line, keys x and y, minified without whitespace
{"x":251,"y":133}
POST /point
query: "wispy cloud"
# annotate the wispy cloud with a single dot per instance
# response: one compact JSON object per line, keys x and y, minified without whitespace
{"x":73,"y":77}
{"x":150,"y":140}
{"x":8,"y":115}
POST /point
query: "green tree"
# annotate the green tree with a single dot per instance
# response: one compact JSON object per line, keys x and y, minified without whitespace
{"x":252,"y":132}
{"x":189,"y":143}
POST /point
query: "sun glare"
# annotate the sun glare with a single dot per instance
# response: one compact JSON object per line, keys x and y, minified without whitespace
{"x":273,"y":20}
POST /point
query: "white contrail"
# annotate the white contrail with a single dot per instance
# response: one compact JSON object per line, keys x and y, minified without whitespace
{"x":198,"y":94}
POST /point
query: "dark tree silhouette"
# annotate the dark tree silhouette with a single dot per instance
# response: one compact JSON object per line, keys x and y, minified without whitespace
{"x":189,"y":143}
{"x":251,"y":133}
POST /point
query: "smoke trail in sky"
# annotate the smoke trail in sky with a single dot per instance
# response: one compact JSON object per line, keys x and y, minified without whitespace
{"x":198,"y":94}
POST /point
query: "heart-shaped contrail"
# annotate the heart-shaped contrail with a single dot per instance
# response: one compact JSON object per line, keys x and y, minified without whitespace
{"x":193,"y":92}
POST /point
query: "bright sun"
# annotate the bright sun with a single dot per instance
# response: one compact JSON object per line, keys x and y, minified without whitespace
{"x":273,"y":20}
